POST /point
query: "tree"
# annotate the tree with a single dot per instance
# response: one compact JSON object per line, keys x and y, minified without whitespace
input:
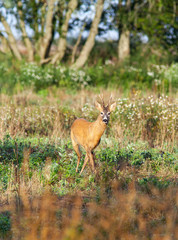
{"x":44,"y":19}
{"x":10,"y":38}
{"x":27,"y":41}
{"x":47,"y":35}
{"x":81,"y":60}
{"x":124,"y":33}
{"x":40,"y":22}
{"x":62,"y":41}
{"x":154,"y":18}
{"x":159,"y":22}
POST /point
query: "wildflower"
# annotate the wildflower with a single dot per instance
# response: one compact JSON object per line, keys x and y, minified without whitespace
{"x":151,"y":74}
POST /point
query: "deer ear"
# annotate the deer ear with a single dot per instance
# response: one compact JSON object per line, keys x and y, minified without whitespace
{"x":112,"y":107}
{"x":98,"y":106}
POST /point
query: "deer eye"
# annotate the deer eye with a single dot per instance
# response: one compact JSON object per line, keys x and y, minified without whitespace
{"x":108,"y":113}
{"x":102,"y":113}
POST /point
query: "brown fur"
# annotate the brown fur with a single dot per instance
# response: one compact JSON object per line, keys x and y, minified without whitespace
{"x":88,"y":134}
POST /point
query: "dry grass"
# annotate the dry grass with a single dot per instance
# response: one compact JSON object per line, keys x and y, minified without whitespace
{"x":149,"y":118}
{"x":117,"y":210}
{"x":125,"y":214}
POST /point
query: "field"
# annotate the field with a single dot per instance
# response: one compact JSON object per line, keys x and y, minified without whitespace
{"x":56,"y":58}
{"x":133,"y":193}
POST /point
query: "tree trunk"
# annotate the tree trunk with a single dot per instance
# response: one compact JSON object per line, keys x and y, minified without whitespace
{"x":77,"y":44}
{"x":5,"y":48}
{"x":24,"y":34}
{"x":124,"y":34}
{"x":62,"y":41}
{"x":124,"y":45}
{"x":81,"y":60}
{"x":48,"y":31}
{"x":11,"y":39}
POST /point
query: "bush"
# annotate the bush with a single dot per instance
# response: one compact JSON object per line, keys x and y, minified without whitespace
{"x":5,"y":224}
{"x":8,"y":78}
{"x":171,"y":75}
{"x":39,"y":77}
{"x":126,"y":76}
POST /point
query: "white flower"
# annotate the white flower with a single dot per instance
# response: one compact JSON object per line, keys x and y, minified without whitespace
{"x":157,"y":82}
{"x":151,"y":74}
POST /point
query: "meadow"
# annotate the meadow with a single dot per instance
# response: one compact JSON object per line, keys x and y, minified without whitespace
{"x":133,"y":194}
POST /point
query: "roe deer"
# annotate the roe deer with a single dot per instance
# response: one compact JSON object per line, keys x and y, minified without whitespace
{"x":88,"y":134}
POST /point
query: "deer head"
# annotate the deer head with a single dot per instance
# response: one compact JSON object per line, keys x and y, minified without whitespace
{"x":105,"y":110}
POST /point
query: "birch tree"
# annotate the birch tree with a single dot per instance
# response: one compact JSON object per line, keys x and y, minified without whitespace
{"x":47,"y":35}
{"x":124,"y":45}
{"x":81,"y":60}
{"x":10,"y":37}
{"x":62,"y":41}
{"x":124,"y":33}
{"x":26,"y":39}
{"x":74,"y":50}
{"x":39,"y":20}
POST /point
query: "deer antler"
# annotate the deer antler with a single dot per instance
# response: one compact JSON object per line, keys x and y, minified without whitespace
{"x":102,"y":99}
{"x":110,"y":100}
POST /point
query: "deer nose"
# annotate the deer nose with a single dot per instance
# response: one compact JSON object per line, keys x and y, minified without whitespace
{"x":105,"y":120}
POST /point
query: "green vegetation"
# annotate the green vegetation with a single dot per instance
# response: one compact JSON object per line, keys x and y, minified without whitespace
{"x":131,"y":176}
{"x":35,"y":131}
{"x":20,"y":76}
{"x":136,"y":161}
{"x":55,"y":165}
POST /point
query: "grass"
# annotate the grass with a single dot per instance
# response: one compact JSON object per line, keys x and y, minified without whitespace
{"x":113,"y":214}
{"x":132,"y":195}
{"x":150,"y":118}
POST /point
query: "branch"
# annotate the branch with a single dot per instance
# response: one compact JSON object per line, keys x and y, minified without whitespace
{"x":91,"y":38}
{"x":62,"y":41}
{"x":24,"y":34}
{"x":77,"y":44}
{"x":48,"y":31}
{"x":11,"y":39}
{"x":4,"y":44}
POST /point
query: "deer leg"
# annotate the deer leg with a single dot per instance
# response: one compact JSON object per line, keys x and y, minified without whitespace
{"x":77,"y":150}
{"x":92,"y":162}
{"x":85,"y":162}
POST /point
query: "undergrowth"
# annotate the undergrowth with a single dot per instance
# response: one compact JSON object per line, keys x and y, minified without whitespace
{"x":131,"y":196}
{"x":54,"y":165}
{"x":20,"y":76}
{"x":148,"y":118}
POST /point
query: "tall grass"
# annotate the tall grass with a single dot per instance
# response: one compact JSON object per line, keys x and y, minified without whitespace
{"x":149,"y":118}
{"x":123,"y":214}
{"x":133,"y":194}
{"x":97,"y":207}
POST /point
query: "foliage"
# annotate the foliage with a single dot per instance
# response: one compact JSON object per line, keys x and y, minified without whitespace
{"x":153,"y":114}
{"x":55,"y":165}
{"x":45,"y":22}
{"x":5,"y":224}
{"x":171,"y":74}
{"x":160,"y":28}
{"x":151,"y":76}
{"x":38,"y":77}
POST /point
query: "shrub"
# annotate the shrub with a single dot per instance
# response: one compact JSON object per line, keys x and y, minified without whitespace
{"x":126,"y":76}
{"x":42,"y":77}
{"x":171,"y":75}
{"x":5,"y":224}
